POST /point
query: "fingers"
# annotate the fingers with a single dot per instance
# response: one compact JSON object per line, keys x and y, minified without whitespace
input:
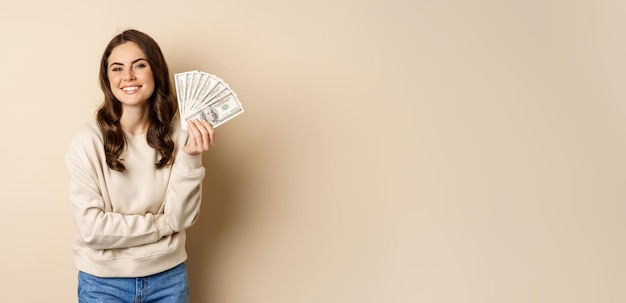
{"x":201,"y":137}
{"x":208,"y":134}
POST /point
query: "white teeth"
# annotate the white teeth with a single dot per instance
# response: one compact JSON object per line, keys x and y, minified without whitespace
{"x":130,"y":88}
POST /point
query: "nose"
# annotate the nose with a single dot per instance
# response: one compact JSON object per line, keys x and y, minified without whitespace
{"x":129,"y":75}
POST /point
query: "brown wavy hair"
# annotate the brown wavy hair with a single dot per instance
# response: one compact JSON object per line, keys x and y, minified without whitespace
{"x":163,"y":105}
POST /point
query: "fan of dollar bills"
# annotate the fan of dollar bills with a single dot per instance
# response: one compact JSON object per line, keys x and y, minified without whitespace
{"x":205,"y":96}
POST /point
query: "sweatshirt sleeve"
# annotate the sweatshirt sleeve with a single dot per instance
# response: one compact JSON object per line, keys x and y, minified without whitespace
{"x":184,"y":195}
{"x":97,"y":226}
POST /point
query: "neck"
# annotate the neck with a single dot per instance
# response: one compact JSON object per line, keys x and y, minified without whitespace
{"x":135,"y":120}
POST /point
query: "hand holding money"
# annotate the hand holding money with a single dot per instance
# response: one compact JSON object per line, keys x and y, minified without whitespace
{"x":201,"y":137}
{"x":204,"y":96}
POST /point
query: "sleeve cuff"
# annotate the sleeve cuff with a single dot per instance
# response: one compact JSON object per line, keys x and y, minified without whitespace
{"x":189,"y":162}
{"x":162,"y":227}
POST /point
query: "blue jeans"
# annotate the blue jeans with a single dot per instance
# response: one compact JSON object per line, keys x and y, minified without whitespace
{"x":170,"y":286}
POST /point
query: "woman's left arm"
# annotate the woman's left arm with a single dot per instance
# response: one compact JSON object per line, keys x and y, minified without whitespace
{"x":184,"y":194}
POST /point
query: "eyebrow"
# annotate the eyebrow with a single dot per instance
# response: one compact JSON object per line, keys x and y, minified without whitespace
{"x":134,"y":61}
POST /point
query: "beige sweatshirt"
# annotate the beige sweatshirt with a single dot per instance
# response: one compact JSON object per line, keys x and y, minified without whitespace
{"x":132,"y":223}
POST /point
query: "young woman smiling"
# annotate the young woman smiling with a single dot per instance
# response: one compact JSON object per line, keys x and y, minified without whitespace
{"x":135,"y":181}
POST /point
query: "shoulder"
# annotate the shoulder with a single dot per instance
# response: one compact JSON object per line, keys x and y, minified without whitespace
{"x":86,"y":139}
{"x":87,"y":132}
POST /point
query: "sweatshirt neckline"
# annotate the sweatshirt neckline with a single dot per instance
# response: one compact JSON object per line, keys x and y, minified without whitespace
{"x":134,"y":137}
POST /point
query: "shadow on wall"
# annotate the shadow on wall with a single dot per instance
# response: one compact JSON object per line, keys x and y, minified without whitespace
{"x":219,"y":202}
{"x":226,"y":175}
{"x":217,"y":214}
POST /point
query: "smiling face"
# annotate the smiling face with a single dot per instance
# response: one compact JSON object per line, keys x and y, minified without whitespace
{"x":129,"y":74}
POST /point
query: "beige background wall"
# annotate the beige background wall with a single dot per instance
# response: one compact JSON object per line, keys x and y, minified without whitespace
{"x":391,"y":151}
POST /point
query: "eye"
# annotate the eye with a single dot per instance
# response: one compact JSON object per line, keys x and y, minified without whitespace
{"x":116,"y":69}
{"x":140,"y":65}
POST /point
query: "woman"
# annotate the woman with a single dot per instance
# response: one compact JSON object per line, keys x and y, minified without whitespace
{"x":135,"y":181}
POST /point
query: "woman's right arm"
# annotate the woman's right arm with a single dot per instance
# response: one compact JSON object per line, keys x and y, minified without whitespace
{"x":96,"y":226}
